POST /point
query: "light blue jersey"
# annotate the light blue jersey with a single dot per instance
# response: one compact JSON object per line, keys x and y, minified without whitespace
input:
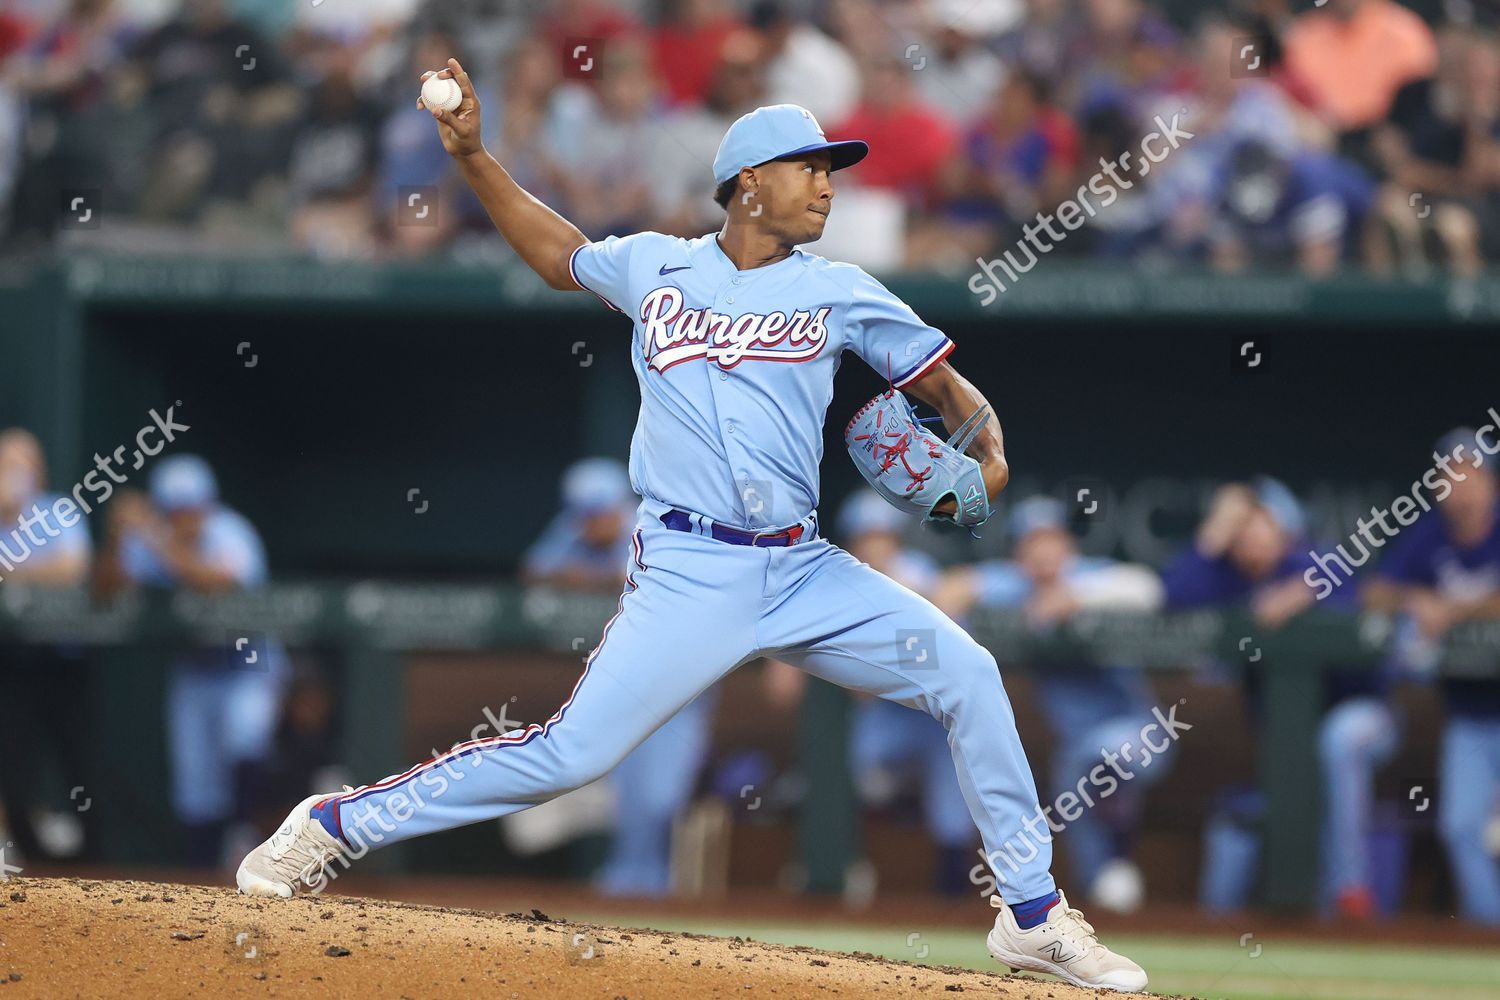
{"x":1003,"y":584}
{"x":228,"y":541}
{"x":736,"y":367}
{"x":562,"y":546}
{"x":736,"y":372}
{"x":43,"y":539}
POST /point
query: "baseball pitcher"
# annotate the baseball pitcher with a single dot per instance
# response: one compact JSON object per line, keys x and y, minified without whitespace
{"x":737,"y":336}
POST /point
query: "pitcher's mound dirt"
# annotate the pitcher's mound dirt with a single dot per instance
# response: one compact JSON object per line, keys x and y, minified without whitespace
{"x":79,"y":938}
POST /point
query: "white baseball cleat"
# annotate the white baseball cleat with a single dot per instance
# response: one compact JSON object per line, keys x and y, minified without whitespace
{"x":1064,"y":945}
{"x":298,"y":852}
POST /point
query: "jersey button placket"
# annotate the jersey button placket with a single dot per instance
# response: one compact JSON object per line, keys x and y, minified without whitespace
{"x":725,"y":293}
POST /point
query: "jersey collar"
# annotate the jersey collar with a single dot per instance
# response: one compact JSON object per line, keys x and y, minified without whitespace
{"x":722,"y":257}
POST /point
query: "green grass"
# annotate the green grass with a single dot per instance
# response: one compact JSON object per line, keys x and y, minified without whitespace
{"x":1194,"y":966}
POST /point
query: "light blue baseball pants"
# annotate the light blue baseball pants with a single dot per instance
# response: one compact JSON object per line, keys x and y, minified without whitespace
{"x":1356,"y":738}
{"x":1468,"y":792}
{"x":217,"y":719}
{"x":693,"y":610}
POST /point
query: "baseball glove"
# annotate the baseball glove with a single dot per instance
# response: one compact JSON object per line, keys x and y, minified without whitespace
{"x":913,"y":470}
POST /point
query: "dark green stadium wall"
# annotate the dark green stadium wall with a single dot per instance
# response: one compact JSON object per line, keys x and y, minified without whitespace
{"x":480,"y":403}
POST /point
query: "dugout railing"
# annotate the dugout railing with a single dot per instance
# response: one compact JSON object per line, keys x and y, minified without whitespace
{"x":373,"y":626}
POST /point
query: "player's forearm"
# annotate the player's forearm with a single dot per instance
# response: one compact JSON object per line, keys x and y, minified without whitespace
{"x":956,"y":399}
{"x":1484,"y":607}
{"x":540,"y":236}
{"x":65,"y":571}
{"x":197,"y":573}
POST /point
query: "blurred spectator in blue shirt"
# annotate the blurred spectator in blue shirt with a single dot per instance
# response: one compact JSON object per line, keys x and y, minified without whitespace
{"x":1251,"y":551}
{"x":1017,"y":158}
{"x":222,"y":701}
{"x":1247,"y":550}
{"x":1125,"y":53}
{"x":1275,"y":209}
{"x":40,"y":549}
{"x":586,"y":546}
{"x":1444,"y":570}
{"x":53,"y":551}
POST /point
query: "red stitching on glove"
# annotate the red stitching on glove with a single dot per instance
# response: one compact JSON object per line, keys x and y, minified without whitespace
{"x":899,"y":450}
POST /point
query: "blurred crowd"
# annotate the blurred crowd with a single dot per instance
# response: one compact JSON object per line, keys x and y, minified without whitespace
{"x":251,"y":729}
{"x":1351,"y":133}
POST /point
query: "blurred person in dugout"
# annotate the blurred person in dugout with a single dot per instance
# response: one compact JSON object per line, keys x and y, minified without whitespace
{"x":1089,"y":707}
{"x":223,"y":701}
{"x":1442,"y":571}
{"x":42,"y":759}
{"x":1252,"y":549}
{"x":587,"y":548}
{"x":894,"y":751}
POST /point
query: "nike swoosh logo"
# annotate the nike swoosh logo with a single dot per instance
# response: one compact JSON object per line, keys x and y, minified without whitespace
{"x":665,"y":270}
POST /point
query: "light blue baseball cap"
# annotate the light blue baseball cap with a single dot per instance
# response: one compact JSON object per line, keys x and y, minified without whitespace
{"x":1273,"y":496}
{"x":594,"y":484}
{"x":1448,"y":444}
{"x":184,"y":482}
{"x":776,"y":131}
{"x":1035,"y":513}
{"x":866,"y":512}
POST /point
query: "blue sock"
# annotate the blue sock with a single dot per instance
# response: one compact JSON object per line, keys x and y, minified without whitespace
{"x":1033,"y":911}
{"x":327,"y":813}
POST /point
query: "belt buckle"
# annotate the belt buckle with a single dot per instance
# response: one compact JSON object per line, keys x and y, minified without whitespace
{"x":792,"y":535}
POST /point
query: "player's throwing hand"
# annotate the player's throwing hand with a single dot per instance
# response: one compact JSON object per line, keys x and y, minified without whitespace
{"x":459,"y":128}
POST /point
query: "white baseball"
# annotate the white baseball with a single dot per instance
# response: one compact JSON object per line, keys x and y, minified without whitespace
{"x":442,"y":93}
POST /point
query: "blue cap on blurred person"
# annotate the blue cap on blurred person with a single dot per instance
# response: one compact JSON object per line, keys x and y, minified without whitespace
{"x":1281,"y":503}
{"x":595,"y":484}
{"x":866,"y":512}
{"x":775,"y":131}
{"x":1448,"y":444}
{"x":1036,"y":513}
{"x":183,"y":482}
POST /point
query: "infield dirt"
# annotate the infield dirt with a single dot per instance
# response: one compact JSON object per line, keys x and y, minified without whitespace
{"x":82,"y":938}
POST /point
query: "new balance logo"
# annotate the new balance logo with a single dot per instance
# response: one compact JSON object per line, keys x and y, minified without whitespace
{"x":1059,"y":952}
